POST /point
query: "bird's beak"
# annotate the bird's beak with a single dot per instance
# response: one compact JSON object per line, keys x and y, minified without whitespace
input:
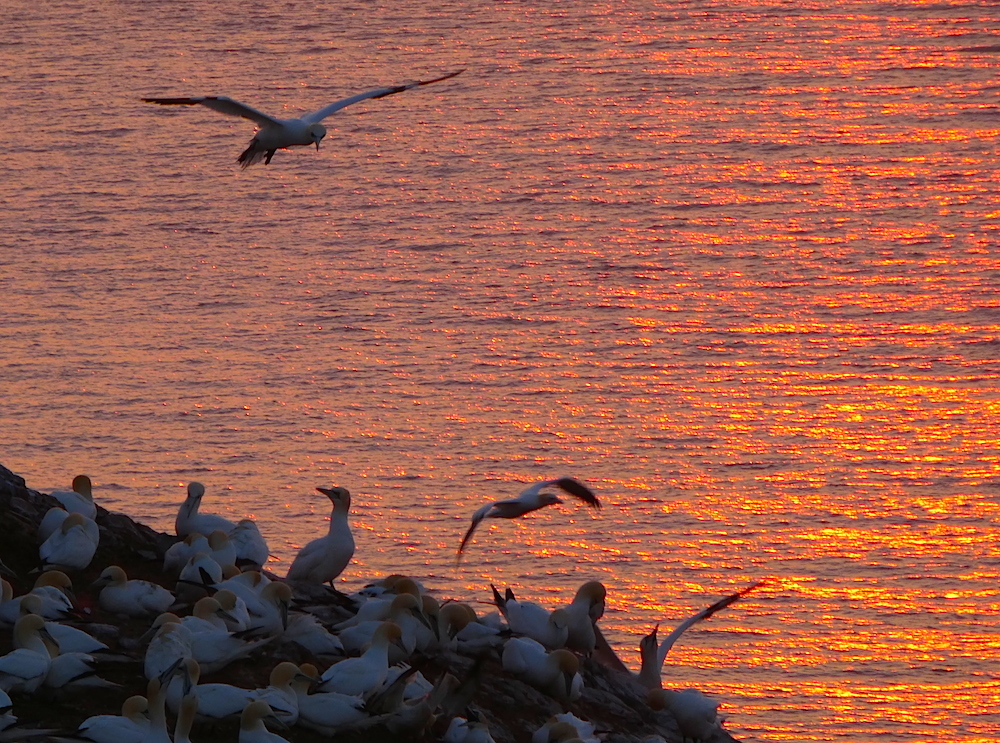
{"x":317,"y":145}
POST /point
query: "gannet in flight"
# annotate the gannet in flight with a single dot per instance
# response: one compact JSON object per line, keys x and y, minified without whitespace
{"x":530,"y":499}
{"x":278,"y":134}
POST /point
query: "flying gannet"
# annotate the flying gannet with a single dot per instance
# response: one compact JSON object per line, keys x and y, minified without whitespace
{"x":530,"y":499}
{"x":278,"y":134}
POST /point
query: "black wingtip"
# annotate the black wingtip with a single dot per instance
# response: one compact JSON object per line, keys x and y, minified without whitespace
{"x":578,"y":490}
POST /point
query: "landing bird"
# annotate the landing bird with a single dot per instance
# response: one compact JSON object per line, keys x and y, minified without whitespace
{"x":530,"y":499}
{"x":278,"y":134}
{"x":653,"y":655}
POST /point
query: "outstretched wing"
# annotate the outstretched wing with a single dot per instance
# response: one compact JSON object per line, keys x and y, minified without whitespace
{"x":221,"y":104}
{"x":318,"y":116}
{"x":578,"y":490}
{"x":477,"y":517}
{"x":702,"y":615}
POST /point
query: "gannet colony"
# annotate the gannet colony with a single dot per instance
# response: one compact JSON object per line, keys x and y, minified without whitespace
{"x":114,"y":633}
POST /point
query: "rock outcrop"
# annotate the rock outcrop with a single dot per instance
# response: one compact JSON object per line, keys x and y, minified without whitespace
{"x":612,"y":700}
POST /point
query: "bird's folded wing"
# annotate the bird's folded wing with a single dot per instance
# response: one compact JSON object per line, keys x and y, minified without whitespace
{"x":219,"y":103}
{"x":318,"y":116}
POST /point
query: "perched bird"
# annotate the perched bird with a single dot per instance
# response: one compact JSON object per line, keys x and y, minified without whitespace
{"x":80,"y":499}
{"x":72,"y":546}
{"x":280,"y":693}
{"x":251,"y":548}
{"x":51,"y":522}
{"x":557,"y":673}
{"x":323,"y":559}
{"x":132,"y":598}
{"x":697,"y":715}
{"x":527,"y":618}
{"x":365,"y":674}
{"x":653,"y":655}
{"x":586,"y":608}
{"x":565,"y":727}
{"x":189,"y":519}
{"x":252,"y":728}
{"x":406,"y":613}
{"x":129,"y":727}
{"x":25,"y":667}
{"x":69,"y":639}
{"x":461,"y":730}
{"x":185,"y":719}
{"x":215,"y":701}
{"x":175,"y":558}
{"x":326,"y":712}
{"x":278,"y":134}
{"x":7,"y":717}
{"x":74,"y":670}
{"x":530,"y":499}
{"x":53,"y":589}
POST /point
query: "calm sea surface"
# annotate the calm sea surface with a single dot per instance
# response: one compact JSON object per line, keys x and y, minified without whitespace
{"x":734,"y":264}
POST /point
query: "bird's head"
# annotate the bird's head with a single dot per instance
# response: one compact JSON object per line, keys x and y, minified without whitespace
{"x":316,"y":133}
{"x":549,"y":499}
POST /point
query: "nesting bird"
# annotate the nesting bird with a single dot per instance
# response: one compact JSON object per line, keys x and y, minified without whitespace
{"x":132,"y":598}
{"x":190,"y":520}
{"x":72,"y":546}
{"x":80,"y":499}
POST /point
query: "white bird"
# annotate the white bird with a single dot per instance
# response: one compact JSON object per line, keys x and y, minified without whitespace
{"x":280,"y":693}
{"x":406,"y":613}
{"x":80,"y":499}
{"x":307,"y":632}
{"x":190,"y":520}
{"x":170,"y":643}
{"x":131,"y":598}
{"x":215,"y":648}
{"x":586,"y":608}
{"x":251,"y":548}
{"x":128,"y":727}
{"x":25,"y":667}
{"x":221,"y":549}
{"x":74,"y":670}
{"x":377,"y":607}
{"x":185,"y":719}
{"x":215,"y":701}
{"x":653,"y":655}
{"x":156,"y":731}
{"x":565,"y":727}
{"x":461,"y":730}
{"x":697,"y":715}
{"x":69,"y":639}
{"x":51,"y":521}
{"x":326,"y":712}
{"x":235,"y":612}
{"x":177,"y":556}
{"x":365,"y":674}
{"x":198,"y":576}
{"x":530,"y":499}
{"x":323,"y":559}
{"x":72,"y":545}
{"x":252,"y":728}
{"x":55,"y":591}
{"x":7,"y":717}
{"x":459,"y":622}
{"x":269,"y":609}
{"x":555,"y":673}
{"x":527,"y":618}
{"x":278,"y":134}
